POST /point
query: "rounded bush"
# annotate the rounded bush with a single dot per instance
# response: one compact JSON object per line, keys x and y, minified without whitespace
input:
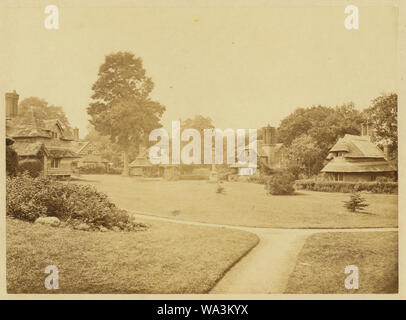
{"x":280,"y":183}
{"x":29,"y":198}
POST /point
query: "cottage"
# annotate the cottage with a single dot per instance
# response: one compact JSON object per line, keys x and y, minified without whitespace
{"x":45,"y":140}
{"x":356,"y":158}
{"x":90,"y":156}
{"x":269,"y":153}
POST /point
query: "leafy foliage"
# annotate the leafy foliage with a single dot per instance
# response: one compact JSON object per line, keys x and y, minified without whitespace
{"x":356,"y":203}
{"x":319,"y":126}
{"x":280,"y":183}
{"x":29,"y":198}
{"x":305,"y":153}
{"x":323,"y":124}
{"x":11,"y":161}
{"x":42,"y":110}
{"x":33,"y":167}
{"x":379,"y":186}
{"x":383,"y":115}
{"x":121,"y":107}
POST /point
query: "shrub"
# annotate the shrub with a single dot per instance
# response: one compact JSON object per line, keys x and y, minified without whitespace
{"x":220,"y":189}
{"x":34,"y":167}
{"x":11,"y":161}
{"x":280,"y":183}
{"x":348,"y":187}
{"x":30,"y":198}
{"x":356,"y":203}
{"x":295,"y":170}
{"x":261,"y":179}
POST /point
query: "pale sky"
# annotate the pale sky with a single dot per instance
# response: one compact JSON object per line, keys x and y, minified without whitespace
{"x":244,"y":67}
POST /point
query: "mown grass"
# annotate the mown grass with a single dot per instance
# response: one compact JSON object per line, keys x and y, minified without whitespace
{"x":244,"y":204}
{"x":167,"y":258}
{"x":321,"y":263}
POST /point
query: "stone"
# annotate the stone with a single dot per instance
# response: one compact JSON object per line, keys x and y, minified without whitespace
{"x":103,"y":229}
{"x":83,"y":227}
{"x":51,"y":221}
{"x":115,"y":228}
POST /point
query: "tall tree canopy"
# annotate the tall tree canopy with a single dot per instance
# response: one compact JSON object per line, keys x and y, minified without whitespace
{"x":305,"y":153}
{"x":324,"y":124}
{"x":383,"y":116}
{"x":121,"y":107}
{"x":319,"y":126}
{"x":42,"y":110}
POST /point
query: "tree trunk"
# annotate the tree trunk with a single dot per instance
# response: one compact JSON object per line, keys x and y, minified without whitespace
{"x":126,"y":170}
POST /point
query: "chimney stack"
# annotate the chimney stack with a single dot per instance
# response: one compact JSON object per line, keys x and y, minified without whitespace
{"x":11,"y":104}
{"x":269,"y":135}
{"x":76,"y":134}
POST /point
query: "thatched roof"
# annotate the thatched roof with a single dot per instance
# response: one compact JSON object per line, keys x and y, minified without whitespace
{"x":60,"y":152}
{"x":341,"y":164}
{"x":357,"y":147}
{"x":29,"y":149}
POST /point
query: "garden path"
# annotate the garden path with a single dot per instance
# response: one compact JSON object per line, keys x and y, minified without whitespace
{"x":266,"y":268}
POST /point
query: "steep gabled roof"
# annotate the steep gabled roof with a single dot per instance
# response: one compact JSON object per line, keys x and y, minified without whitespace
{"x":357,"y":147}
{"x":78,"y":146}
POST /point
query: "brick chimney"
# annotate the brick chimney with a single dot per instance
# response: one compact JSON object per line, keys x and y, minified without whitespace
{"x":76,"y":134}
{"x":11,"y":104}
{"x":269,"y":135}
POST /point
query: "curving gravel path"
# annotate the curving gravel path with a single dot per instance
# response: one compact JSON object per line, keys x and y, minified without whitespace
{"x":266,"y":268}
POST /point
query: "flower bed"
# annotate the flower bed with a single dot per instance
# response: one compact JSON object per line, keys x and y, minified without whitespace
{"x":30,"y":198}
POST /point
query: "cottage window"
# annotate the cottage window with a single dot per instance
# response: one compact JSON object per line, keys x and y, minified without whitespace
{"x":55,"y":162}
{"x":339,"y":176}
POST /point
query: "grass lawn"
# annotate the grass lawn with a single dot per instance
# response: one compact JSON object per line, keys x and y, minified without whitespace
{"x":167,"y":258}
{"x":244,"y":204}
{"x":321,"y":263}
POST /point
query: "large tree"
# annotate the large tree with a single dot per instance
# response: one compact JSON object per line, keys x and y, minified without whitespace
{"x":121,"y":106}
{"x":383,"y":116}
{"x":305,"y":153}
{"x":323,"y":124}
{"x":42,"y":110}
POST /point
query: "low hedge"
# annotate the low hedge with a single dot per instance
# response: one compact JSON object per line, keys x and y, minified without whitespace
{"x":29,"y":198}
{"x":194,"y":177}
{"x":348,"y":187}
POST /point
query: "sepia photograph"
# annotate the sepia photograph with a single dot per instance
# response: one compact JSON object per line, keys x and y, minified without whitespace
{"x":200,"y":147}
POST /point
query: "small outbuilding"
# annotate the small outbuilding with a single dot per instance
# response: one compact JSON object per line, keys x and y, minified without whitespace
{"x":356,"y":158}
